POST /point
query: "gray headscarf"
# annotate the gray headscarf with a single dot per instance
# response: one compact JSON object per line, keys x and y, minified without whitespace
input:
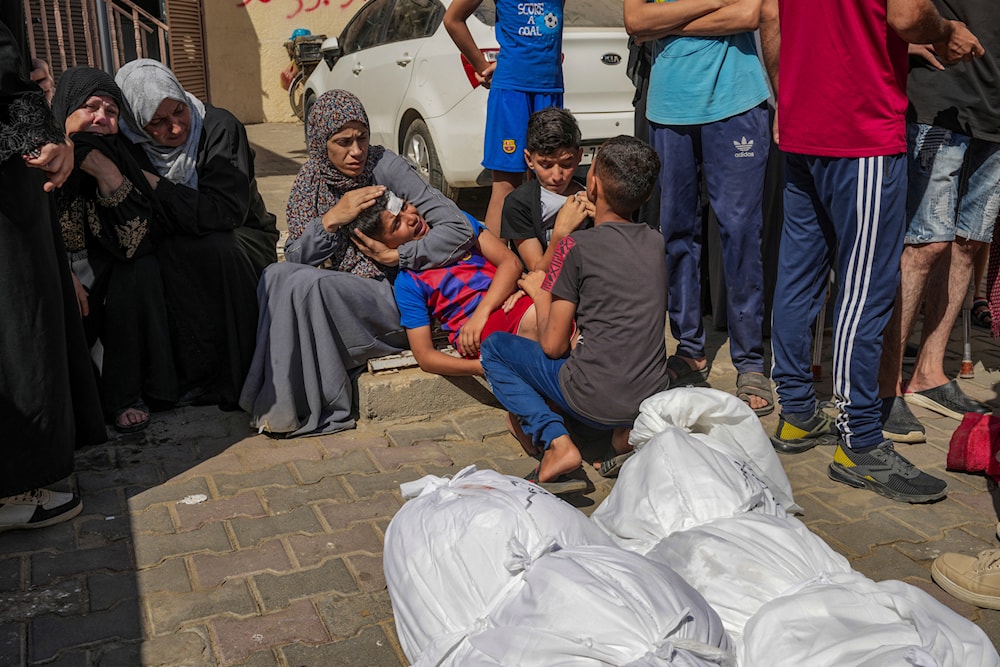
{"x":145,"y":84}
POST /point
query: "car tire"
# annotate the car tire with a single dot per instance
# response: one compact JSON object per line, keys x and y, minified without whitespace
{"x":418,"y":150}
{"x":307,"y":107}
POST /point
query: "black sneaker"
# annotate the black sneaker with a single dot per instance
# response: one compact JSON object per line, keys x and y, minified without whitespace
{"x":898,"y":423}
{"x":948,"y":400}
{"x":793,"y":436}
{"x":884,"y":471}
{"x":38,"y":508}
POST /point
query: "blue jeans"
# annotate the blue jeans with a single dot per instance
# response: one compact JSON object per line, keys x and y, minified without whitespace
{"x":525,"y":380}
{"x":953,"y":188}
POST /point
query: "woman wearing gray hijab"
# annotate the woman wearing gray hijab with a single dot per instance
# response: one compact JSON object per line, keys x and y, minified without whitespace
{"x":219,"y":235}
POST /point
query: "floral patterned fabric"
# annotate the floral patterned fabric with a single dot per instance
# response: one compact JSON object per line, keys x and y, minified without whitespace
{"x":318,"y":185}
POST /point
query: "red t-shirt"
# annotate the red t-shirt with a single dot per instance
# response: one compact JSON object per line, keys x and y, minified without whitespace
{"x":842,"y":79}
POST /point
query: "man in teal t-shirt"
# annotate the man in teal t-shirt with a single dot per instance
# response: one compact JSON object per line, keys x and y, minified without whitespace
{"x":708,"y":119}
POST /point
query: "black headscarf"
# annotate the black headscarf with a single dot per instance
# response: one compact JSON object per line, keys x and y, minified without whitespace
{"x":77,"y":85}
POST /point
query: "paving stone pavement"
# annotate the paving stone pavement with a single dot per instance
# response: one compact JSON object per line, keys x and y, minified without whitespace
{"x":204,"y":544}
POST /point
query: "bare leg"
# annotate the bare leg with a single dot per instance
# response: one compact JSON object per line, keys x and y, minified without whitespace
{"x":561,"y":457}
{"x":945,"y":296}
{"x":916,"y":264}
{"x":504,"y":183}
{"x":514,"y":426}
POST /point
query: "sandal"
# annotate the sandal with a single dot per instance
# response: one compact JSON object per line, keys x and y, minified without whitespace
{"x":683,"y":375}
{"x":139,"y":406}
{"x":981,"y":316}
{"x":561,"y":485}
{"x":612,"y":464}
{"x":755,"y":384}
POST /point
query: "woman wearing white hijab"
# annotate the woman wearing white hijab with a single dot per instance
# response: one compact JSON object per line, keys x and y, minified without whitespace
{"x":220,"y":236}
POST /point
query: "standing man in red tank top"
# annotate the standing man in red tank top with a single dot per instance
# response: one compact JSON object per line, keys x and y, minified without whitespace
{"x":841,"y":122}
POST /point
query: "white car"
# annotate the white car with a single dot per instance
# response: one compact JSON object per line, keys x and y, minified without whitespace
{"x":421,"y":95}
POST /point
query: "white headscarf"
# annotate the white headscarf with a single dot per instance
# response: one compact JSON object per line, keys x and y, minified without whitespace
{"x":145,"y":84}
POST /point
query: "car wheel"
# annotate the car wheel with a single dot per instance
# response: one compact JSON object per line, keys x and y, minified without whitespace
{"x":418,"y":149}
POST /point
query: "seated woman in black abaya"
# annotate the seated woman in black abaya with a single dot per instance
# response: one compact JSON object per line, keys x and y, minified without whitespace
{"x":109,"y":218}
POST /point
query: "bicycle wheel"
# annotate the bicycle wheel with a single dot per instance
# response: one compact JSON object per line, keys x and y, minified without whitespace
{"x":296,"y":95}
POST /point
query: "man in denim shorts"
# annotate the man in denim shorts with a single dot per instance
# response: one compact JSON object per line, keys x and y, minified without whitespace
{"x":953,"y":197}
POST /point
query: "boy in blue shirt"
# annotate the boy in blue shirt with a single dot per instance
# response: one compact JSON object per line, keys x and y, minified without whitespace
{"x":526,"y":77}
{"x":471,"y":298}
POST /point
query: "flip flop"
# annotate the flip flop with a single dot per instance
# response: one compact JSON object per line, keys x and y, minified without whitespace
{"x":684,"y":375}
{"x":611,"y":466}
{"x":561,"y":485}
{"x":755,"y":384}
{"x":130,"y":428}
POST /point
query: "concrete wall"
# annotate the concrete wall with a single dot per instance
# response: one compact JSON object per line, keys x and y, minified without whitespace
{"x":245,"y":48}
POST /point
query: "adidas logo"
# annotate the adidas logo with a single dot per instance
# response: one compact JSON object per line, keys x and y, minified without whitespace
{"x":744,"y":147}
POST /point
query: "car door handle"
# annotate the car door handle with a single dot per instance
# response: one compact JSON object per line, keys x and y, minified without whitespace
{"x":405,"y":60}
{"x":357,"y":68}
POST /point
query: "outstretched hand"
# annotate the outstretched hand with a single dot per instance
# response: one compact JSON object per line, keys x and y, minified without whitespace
{"x":56,"y":160}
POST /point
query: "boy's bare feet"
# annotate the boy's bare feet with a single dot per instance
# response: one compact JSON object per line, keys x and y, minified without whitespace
{"x":514,"y":426}
{"x":561,"y":457}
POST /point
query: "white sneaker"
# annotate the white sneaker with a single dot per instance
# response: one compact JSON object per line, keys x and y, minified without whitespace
{"x":38,"y":508}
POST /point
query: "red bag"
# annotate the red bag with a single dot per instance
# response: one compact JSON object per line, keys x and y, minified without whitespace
{"x":287,"y":75}
{"x":975,"y":444}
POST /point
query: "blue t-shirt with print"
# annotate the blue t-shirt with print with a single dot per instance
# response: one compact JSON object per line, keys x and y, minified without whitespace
{"x":530,"y":38}
{"x":698,"y":80}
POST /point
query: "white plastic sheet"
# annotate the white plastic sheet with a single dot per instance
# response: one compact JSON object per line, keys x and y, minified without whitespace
{"x":593,"y":605}
{"x":677,"y":481}
{"x":447,"y":551}
{"x":849,"y":619}
{"x":727,"y":424}
{"x":741,"y":563}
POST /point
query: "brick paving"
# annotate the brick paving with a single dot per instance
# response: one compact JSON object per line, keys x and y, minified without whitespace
{"x":202,"y":543}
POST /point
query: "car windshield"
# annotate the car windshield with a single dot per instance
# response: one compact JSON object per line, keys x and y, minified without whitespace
{"x":577,"y":13}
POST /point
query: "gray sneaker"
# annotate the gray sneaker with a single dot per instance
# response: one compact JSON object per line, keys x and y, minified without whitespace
{"x":948,"y":400}
{"x":882,"y":470}
{"x":898,"y":423}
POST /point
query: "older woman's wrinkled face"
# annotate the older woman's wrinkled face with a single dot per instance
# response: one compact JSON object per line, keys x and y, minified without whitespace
{"x":348,"y":148}
{"x":171,"y":123}
{"x":98,"y":115}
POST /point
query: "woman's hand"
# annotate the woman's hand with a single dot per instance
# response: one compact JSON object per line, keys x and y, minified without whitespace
{"x":376,"y":250}
{"x":56,"y":160}
{"x":347,"y":208}
{"x":81,"y":296}
{"x":105,"y":172}
{"x":469,"y":336}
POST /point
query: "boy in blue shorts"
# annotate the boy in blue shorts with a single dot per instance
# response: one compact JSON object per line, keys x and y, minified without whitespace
{"x":608,"y":280}
{"x":541,"y":212}
{"x":526,"y":77}
{"x":471,"y":297}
